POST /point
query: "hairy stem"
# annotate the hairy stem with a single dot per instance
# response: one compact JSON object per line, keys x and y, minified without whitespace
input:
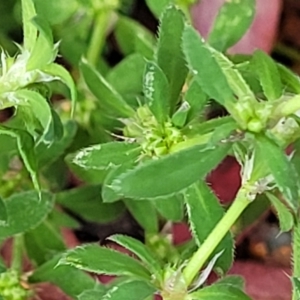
{"x":215,"y":237}
{"x":17,"y":254}
{"x":296,"y":261}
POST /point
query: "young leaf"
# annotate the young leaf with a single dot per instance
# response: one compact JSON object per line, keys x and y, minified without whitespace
{"x":233,"y":20}
{"x":144,"y":213}
{"x":206,"y":70}
{"x":170,"y":174}
{"x":180,"y":116}
{"x":63,"y":75}
{"x":3,"y":212}
{"x":64,"y":277}
{"x":219,"y":291}
{"x":233,"y":280}
{"x":129,"y":290}
{"x":281,"y":168}
{"x":169,"y":55}
{"x":204,"y":208}
{"x":286,"y":219}
{"x":156,"y":91}
{"x":25,"y":145}
{"x":140,"y":250}
{"x":25,"y":211}
{"x":86,"y":202}
{"x":96,"y":259}
{"x":108,"y":96}
{"x":290,"y":81}
{"x":103,"y":156}
{"x":267,"y":72}
{"x":30,"y":31}
{"x":171,"y":208}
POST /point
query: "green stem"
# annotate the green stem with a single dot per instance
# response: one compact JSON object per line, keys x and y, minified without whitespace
{"x":222,"y":228}
{"x":296,"y":260}
{"x":17,"y":255}
{"x":98,"y":36}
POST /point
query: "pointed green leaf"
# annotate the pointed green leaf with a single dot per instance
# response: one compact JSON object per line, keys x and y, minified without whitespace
{"x":25,"y":145}
{"x":196,"y":99}
{"x":30,"y":31}
{"x":156,"y":91}
{"x":233,"y":280}
{"x":140,"y":250}
{"x":281,"y":168}
{"x":206,"y":70}
{"x":170,"y":174}
{"x":235,"y":80}
{"x":144,"y":213}
{"x":171,"y":208}
{"x":64,"y":277}
{"x":129,"y":290}
{"x":296,"y":285}
{"x":286,"y":219}
{"x":25,"y":211}
{"x":268,"y":75}
{"x":169,"y":55}
{"x":157,"y":6}
{"x":219,"y":291}
{"x":86,"y":202}
{"x":92,"y":294}
{"x":102,"y":156}
{"x":204,"y":208}
{"x":233,"y":20}
{"x":290,"y":81}
{"x":60,"y":73}
{"x":96,"y":259}
{"x":107,"y":95}
{"x":131,"y":70}
{"x":3,"y":212}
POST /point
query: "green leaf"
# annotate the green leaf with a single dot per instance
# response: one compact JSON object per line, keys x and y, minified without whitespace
{"x":86,"y":202}
{"x":103,"y":156}
{"x":131,"y":70}
{"x":219,"y":291}
{"x":204,"y":208}
{"x":156,"y":91}
{"x":235,"y":80}
{"x":207,"y":72}
{"x":129,"y":290}
{"x":231,"y":24}
{"x":64,"y":277}
{"x":223,"y":132}
{"x":296,"y":285}
{"x":286,"y":219}
{"x":281,"y":168}
{"x":171,"y":208}
{"x":92,"y":294}
{"x":144,"y":213}
{"x":60,"y":73}
{"x":132,"y":37}
{"x":43,"y":242}
{"x":30,"y":31}
{"x":3,"y":212}
{"x":103,"y":91}
{"x":169,"y":54}
{"x":196,"y":99}
{"x":25,"y":211}
{"x":96,"y":259}
{"x":43,"y":51}
{"x":268,"y":74}
{"x":140,"y":250}
{"x":48,"y":154}
{"x":25,"y":145}
{"x":170,"y":174}
{"x":180,"y":116}
{"x":290,"y":81}
{"x":233,"y":280}
{"x":157,"y":7}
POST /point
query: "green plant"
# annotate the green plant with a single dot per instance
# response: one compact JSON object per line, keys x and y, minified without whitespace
{"x":148,"y":146}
